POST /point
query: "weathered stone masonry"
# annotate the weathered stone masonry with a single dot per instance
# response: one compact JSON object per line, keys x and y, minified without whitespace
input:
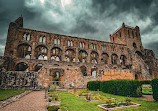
{"x":76,"y":61}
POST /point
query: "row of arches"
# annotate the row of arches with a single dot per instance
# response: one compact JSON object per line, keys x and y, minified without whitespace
{"x":41,"y":53}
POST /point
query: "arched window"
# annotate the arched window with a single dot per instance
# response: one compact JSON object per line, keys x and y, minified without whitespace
{"x":83,"y":44}
{"x":58,"y":41}
{"x":93,"y":46}
{"x":80,"y":44}
{"x":123,"y":60}
{"x":41,"y":52}
{"x":94,"y":72}
{"x":68,"y":43}
{"x":105,"y":58}
{"x":56,"y":76}
{"x":45,"y":58}
{"x":82,"y":56}
{"x":24,"y":36}
{"x":40,"y":39}
{"x":27,"y":56}
{"x":70,"y":53}
{"x":114,"y":59}
{"x":94,"y":57}
{"x":22,"y":66}
{"x":23,"y":50}
{"x":55,"y":41}
{"x":29,"y":48}
{"x":28,"y":37}
{"x":71,"y":43}
{"x":57,"y":59}
{"x":40,"y":57}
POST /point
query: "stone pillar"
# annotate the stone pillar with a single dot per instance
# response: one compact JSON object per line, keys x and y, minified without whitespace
{"x":33,"y":51}
{"x":49,"y":53}
{"x":63,"y":54}
{"x":89,"y":56}
{"x":76,"y":56}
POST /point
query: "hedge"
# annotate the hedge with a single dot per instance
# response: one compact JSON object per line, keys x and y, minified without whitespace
{"x":154,"y":85}
{"x":122,"y":87}
{"x":93,"y":85}
{"x":146,"y":82}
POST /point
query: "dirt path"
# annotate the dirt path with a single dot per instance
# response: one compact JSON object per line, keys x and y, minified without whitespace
{"x":147,"y":97}
{"x":32,"y":102}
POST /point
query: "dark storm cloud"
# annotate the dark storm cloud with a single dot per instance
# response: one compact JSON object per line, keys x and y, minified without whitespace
{"x":84,"y":27}
{"x":82,"y":18}
{"x":122,"y":6}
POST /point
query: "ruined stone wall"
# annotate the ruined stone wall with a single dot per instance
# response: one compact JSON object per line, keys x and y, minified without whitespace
{"x":117,"y":74}
{"x":72,"y":58}
{"x":15,"y":80}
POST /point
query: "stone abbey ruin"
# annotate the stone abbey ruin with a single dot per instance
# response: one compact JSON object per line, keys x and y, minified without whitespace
{"x":34,"y":58}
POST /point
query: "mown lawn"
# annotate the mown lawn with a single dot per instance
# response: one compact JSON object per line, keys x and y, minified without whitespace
{"x":74,"y":103}
{"x":147,"y":90}
{"x":4,"y":94}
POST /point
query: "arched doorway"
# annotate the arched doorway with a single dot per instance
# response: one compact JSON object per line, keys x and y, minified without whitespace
{"x":22,"y":66}
{"x":56,"y":76}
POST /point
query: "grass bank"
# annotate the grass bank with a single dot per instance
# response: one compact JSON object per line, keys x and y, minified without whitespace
{"x":74,"y":103}
{"x":4,"y":94}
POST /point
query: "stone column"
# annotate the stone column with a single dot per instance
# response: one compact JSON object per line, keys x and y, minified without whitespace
{"x":76,"y":55}
{"x":33,"y":51}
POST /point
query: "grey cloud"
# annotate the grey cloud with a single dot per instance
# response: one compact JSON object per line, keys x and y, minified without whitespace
{"x":84,"y":27}
{"x":153,"y":46}
{"x":93,"y":19}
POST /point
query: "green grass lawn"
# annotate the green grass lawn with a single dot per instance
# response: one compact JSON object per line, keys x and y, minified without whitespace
{"x":147,"y":90}
{"x":4,"y":94}
{"x":74,"y":103}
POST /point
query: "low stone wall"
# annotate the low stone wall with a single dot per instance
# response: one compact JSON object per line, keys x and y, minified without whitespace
{"x":13,"y":99}
{"x":18,"y":80}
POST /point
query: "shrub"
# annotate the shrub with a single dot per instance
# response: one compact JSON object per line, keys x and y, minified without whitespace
{"x":121,"y":87}
{"x":154,"y":85}
{"x":93,"y":85}
{"x":55,"y":97}
{"x":52,"y":108}
{"x":80,"y":93}
{"x":146,"y":82}
{"x":49,"y":99}
{"x":52,"y":88}
{"x":139,"y":91}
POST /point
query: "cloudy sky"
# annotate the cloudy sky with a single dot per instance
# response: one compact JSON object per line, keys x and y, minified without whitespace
{"x":93,"y":19}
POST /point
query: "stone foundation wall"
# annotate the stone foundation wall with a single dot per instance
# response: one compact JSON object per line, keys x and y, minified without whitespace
{"x":19,"y":79}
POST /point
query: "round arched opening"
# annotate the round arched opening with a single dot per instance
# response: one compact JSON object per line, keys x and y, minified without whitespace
{"x":38,"y":67}
{"x":22,"y":66}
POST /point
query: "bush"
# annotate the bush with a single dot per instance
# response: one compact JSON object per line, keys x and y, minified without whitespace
{"x":52,"y":108}
{"x":154,"y":85}
{"x":146,"y":82}
{"x":122,"y":87}
{"x":52,"y":88}
{"x":93,"y":85}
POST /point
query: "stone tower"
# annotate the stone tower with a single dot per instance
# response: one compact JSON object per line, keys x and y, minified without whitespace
{"x":129,"y":36}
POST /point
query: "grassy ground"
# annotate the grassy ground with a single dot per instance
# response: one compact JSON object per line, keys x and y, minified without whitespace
{"x":147,"y":90}
{"x":74,"y":103}
{"x":4,"y":94}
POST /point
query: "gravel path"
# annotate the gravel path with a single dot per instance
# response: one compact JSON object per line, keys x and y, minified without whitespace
{"x":32,"y":102}
{"x":147,"y":97}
